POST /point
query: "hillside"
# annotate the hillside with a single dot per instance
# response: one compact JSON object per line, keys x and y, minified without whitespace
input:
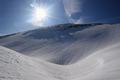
{"x":63,"y":44}
{"x":62,"y":53}
{"x":100,"y":65}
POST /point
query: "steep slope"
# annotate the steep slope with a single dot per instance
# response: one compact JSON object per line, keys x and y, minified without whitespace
{"x":14,"y":66}
{"x":64,"y":44}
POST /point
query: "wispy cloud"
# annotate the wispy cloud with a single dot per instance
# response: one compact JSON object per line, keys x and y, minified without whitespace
{"x":71,"y":7}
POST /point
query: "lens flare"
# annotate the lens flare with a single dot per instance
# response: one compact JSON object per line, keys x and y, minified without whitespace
{"x":39,"y":15}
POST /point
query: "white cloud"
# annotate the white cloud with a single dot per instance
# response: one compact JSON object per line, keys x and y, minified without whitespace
{"x":71,"y":7}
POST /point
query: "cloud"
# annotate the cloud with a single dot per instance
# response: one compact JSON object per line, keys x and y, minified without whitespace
{"x":72,"y":7}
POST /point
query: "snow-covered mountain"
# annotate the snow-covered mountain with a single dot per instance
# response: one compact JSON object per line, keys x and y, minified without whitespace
{"x":62,"y":52}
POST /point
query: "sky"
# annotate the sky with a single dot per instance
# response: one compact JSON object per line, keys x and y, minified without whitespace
{"x":18,"y":15}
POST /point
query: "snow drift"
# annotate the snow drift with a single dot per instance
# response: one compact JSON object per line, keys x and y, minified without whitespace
{"x":77,"y":52}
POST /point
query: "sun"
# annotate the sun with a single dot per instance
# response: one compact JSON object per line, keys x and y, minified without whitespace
{"x":40,"y":14}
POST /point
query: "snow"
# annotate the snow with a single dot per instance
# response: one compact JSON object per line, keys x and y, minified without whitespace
{"x":101,"y":65}
{"x":63,"y":44}
{"x":92,"y":53}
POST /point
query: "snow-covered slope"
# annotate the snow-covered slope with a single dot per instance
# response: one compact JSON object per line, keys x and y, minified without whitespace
{"x":100,"y":65}
{"x":63,"y":44}
{"x":69,"y":52}
{"x":14,"y":66}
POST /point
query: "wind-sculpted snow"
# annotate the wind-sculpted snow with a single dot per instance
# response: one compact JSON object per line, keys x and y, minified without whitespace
{"x":63,"y":44}
{"x":100,"y":65}
{"x":14,"y":66}
{"x":62,"y":53}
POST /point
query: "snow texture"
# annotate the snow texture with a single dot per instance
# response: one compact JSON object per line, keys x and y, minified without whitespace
{"x":62,"y":53}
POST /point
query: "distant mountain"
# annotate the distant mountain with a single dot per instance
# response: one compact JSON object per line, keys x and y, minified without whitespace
{"x":63,"y":27}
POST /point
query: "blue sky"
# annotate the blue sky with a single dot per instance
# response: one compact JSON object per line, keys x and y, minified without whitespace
{"x":15,"y":14}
